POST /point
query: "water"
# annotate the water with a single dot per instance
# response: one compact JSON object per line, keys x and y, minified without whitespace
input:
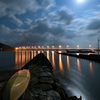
{"x":78,"y":76}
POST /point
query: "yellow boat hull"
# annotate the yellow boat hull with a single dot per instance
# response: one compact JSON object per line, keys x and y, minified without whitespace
{"x":16,"y":85}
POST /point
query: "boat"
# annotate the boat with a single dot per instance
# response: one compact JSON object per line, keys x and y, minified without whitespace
{"x":16,"y":85}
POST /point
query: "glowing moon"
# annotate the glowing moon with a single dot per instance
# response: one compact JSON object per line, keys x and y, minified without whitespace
{"x":80,"y":0}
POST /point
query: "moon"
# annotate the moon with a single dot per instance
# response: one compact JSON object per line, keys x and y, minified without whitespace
{"x":80,"y":0}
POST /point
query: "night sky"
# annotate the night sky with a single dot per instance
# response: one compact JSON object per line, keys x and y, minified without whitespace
{"x":50,"y":22}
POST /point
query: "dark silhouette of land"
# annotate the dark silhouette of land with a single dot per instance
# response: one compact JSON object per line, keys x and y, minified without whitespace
{"x":4,"y":47}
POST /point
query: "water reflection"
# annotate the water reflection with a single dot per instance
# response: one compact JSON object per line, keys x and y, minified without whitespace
{"x":60,"y":63}
{"x":39,"y":52}
{"x":68,"y":63}
{"x":48,"y":55}
{"x":84,"y":84}
{"x":91,"y":67}
{"x":53,"y":59}
{"x":34,"y":53}
{"x":21,"y":57}
{"x":78,"y":65}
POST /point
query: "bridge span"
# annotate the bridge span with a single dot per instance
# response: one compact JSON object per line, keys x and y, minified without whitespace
{"x":59,"y":49}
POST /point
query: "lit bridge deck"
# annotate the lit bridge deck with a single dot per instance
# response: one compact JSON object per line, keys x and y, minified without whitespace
{"x":58,"y":49}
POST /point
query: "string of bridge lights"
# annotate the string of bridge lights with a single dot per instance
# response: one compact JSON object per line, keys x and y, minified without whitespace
{"x":40,"y":47}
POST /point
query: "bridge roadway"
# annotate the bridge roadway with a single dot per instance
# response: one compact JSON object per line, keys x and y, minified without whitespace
{"x":62,"y":49}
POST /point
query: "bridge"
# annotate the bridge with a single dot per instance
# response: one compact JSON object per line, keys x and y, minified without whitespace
{"x":69,"y":50}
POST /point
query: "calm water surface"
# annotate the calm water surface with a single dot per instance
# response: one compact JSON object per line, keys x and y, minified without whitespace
{"x":78,"y":76}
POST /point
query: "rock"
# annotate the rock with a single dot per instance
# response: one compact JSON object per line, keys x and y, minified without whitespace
{"x":53,"y":95}
{"x":44,"y":87}
{"x":49,"y":80}
{"x":43,"y":74}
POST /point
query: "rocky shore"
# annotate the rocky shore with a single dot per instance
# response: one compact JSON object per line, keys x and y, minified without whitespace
{"x":43,"y":84}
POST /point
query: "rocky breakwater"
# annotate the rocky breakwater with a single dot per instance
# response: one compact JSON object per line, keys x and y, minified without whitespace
{"x":43,"y":84}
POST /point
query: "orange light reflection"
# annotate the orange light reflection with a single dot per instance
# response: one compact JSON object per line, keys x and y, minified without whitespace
{"x":68,"y":63}
{"x":61,"y":64}
{"x":53,"y":59}
{"x":78,"y":65}
{"x":91,"y":67}
{"x":48,"y":55}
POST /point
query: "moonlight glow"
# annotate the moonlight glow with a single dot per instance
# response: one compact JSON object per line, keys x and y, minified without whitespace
{"x":80,"y":0}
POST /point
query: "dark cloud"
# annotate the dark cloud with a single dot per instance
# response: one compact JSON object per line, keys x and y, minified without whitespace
{"x":12,"y":7}
{"x":42,"y":32}
{"x":94,"y":24}
{"x":63,"y":15}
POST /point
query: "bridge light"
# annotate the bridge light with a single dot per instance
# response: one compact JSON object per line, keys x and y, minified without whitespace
{"x":67,"y":46}
{"x":78,"y":46}
{"x":38,"y":46}
{"x":47,"y":46}
{"x":90,"y":46}
{"x":60,"y":46}
{"x":34,"y":46}
{"x":52,"y":46}
{"x":42,"y":46}
{"x":16,"y":48}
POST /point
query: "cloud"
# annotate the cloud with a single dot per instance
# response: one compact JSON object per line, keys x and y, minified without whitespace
{"x":4,"y":30}
{"x":62,"y":15}
{"x":28,"y":21}
{"x":42,"y":32}
{"x":13,"y":8}
{"x":98,"y":5}
{"x":94,"y":24}
{"x":21,"y":6}
{"x":15,"y":20}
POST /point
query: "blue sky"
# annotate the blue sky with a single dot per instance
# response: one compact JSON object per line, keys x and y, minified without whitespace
{"x":50,"y":22}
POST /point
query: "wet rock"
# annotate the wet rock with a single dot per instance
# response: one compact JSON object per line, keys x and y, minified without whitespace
{"x":49,"y":80}
{"x":43,"y":87}
{"x":34,"y":80}
{"x":53,"y":95}
{"x":45,"y":74}
{"x":48,"y":95}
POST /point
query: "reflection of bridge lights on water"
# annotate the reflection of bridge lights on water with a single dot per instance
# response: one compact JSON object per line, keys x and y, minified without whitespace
{"x":61,"y":64}
{"x":53,"y":59}
{"x":48,"y":55}
{"x":78,"y":65}
{"x":59,"y":51}
{"x":42,"y":51}
{"x":77,"y":53}
{"x":39,"y":52}
{"x":91,"y":67}
{"x":68,"y":63}
{"x":35,"y":53}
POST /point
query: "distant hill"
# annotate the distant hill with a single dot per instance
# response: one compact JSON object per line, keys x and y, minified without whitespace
{"x":4,"y":47}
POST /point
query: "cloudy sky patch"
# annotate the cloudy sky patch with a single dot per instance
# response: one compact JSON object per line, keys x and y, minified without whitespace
{"x":49,"y":22}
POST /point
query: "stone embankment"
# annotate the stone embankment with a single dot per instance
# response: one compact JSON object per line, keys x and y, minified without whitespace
{"x":43,"y":84}
{"x":91,"y":57}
